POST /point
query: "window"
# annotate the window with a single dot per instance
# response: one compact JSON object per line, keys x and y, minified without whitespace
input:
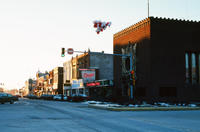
{"x":199,"y":66}
{"x":194,"y":73}
{"x":187,"y":75}
{"x":192,"y":67}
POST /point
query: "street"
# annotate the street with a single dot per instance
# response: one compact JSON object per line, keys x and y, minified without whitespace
{"x":54,"y":116}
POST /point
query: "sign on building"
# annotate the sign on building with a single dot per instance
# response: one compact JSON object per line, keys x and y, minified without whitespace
{"x":77,"y":83}
{"x":88,"y":75}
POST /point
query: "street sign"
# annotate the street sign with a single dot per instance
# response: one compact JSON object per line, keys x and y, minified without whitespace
{"x":70,"y":51}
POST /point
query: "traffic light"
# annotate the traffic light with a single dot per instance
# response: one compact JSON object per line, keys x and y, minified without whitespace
{"x":63,"y":52}
{"x":132,"y":72}
{"x":133,"y":77}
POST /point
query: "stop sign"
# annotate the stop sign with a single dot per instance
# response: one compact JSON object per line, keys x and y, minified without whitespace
{"x":70,"y":51}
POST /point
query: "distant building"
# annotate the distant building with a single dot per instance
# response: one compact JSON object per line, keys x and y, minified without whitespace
{"x":31,"y":84}
{"x":41,"y":79}
{"x":67,"y":76}
{"x":26,"y":88}
{"x":2,"y":87}
{"x":13,"y":92}
{"x":1,"y":90}
{"x":167,"y":60}
{"x":23,"y":91}
{"x":87,"y":70}
{"x":50,"y":80}
{"x":58,"y":80}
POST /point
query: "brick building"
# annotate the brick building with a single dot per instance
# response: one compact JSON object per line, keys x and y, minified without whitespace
{"x":167,"y":61}
{"x":41,"y":83}
{"x":50,"y":86}
{"x":58,"y":80}
{"x":31,"y":84}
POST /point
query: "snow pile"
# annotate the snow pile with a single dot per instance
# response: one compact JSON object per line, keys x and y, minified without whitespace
{"x":192,"y":105}
{"x":92,"y":102}
{"x":144,"y":104}
{"x":103,"y":104}
{"x":163,"y":104}
{"x":130,"y":105}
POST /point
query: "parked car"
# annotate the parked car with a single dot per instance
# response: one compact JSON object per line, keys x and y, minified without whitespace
{"x":59,"y":97}
{"x":46,"y":97}
{"x":4,"y":97}
{"x":15,"y":98}
{"x":19,"y":96}
{"x":31,"y":96}
{"x":78,"y":97}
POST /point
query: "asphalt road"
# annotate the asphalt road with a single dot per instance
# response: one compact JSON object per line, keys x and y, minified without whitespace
{"x":53,"y":116}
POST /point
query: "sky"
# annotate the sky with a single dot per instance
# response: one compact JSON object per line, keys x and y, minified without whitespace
{"x":32,"y":32}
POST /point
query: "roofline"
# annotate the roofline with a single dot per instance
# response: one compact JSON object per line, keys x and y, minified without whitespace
{"x":132,"y":27}
{"x":148,"y":21}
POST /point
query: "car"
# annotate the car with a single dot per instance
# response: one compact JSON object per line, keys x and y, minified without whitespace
{"x":19,"y":96}
{"x":78,"y":97}
{"x":31,"y":96}
{"x":59,"y":97}
{"x":4,"y":97}
{"x":15,"y":98}
{"x":46,"y":97}
{"x":84,"y":96}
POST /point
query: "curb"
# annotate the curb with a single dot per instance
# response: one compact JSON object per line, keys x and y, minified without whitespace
{"x":143,"y":108}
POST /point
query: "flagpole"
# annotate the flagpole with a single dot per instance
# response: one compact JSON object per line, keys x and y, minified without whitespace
{"x":148,"y":7}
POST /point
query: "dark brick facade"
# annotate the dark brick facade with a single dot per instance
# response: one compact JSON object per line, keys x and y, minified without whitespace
{"x":160,"y":64}
{"x":58,"y":80}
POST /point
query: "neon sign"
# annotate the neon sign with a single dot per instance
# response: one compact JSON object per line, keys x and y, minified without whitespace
{"x":88,"y":75}
{"x":92,"y":84}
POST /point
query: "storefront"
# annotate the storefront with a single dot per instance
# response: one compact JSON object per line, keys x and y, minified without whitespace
{"x":77,"y":87}
{"x":100,"y":89}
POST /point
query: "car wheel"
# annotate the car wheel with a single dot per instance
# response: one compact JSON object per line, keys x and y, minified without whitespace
{"x":11,"y":101}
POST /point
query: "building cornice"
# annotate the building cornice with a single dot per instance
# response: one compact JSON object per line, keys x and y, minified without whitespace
{"x":148,"y":21}
{"x":133,"y":27}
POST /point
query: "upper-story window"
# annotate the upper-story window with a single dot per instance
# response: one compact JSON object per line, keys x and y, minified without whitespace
{"x":194,"y":68}
{"x":199,"y":66}
{"x":187,"y":75}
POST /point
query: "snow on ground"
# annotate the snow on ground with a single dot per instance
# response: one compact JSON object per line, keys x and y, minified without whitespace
{"x":159,"y":104}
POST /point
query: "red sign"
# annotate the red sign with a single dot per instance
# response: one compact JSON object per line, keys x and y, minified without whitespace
{"x":70,"y":51}
{"x":92,"y":84}
{"x":88,"y":75}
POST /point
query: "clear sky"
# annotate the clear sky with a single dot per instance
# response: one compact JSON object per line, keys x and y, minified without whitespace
{"x":32,"y":32}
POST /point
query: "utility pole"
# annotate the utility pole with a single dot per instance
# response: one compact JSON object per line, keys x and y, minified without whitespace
{"x":131,"y":68}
